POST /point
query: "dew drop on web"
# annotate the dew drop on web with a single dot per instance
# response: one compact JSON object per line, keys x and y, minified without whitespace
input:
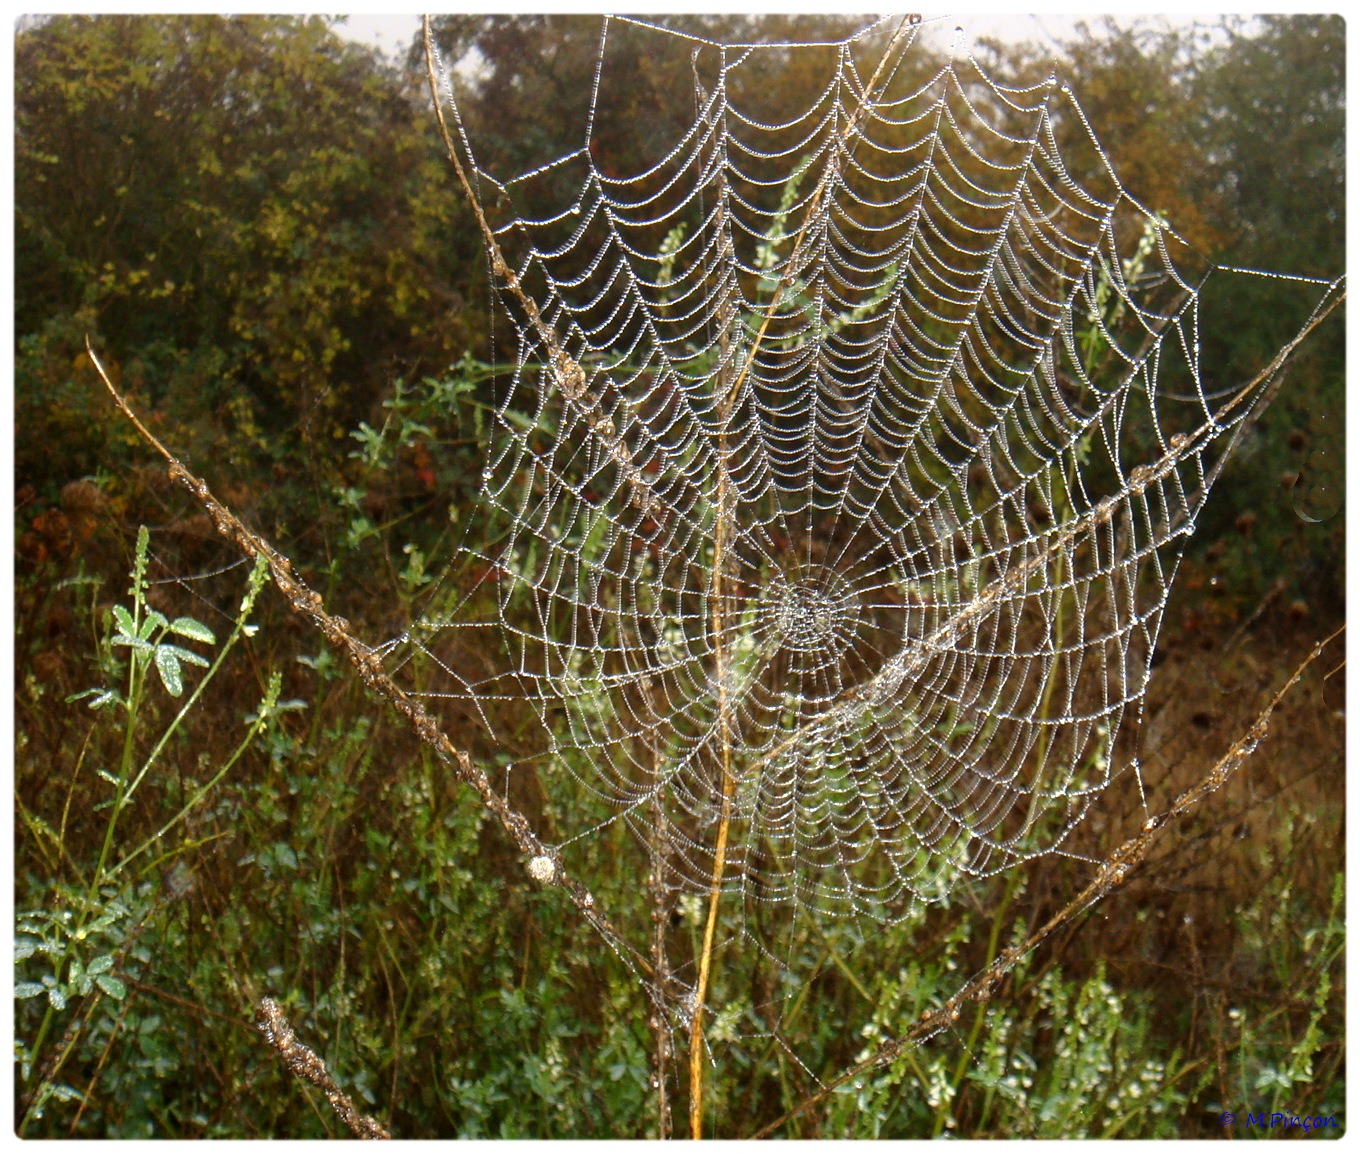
{"x":1317,"y":493}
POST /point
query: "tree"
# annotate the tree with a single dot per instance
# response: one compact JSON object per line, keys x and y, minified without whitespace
{"x":249,"y":211}
{"x":1282,"y":191}
{"x":1237,"y":134}
{"x":1271,"y":100}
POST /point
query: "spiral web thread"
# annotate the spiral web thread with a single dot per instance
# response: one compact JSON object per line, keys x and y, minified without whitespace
{"x":859,"y":472}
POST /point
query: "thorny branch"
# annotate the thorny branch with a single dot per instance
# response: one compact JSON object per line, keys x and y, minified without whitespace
{"x":307,"y":603}
{"x":568,"y":373}
{"x":304,"y":601}
{"x":303,"y":1062}
{"x":1112,"y":872}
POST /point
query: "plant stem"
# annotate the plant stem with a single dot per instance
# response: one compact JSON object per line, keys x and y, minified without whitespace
{"x":256,"y":582}
{"x":137,"y":663}
{"x":721,"y":514}
{"x":266,"y":709}
{"x":658,"y":1019}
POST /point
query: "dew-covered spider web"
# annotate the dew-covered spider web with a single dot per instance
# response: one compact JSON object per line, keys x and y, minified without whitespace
{"x":838,"y":488}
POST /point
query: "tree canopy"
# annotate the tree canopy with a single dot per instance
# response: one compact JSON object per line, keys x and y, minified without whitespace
{"x":255,"y":220}
{"x":250,"y":206}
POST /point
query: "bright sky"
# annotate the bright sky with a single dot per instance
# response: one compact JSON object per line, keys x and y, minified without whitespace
{"x":394,"y":33}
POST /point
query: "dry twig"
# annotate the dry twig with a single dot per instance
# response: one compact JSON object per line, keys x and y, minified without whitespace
{"x":303,"y":1062}
{"x":1112,"y":872}
{"x":545,"y":864}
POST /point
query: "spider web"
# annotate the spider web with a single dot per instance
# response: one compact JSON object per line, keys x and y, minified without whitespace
{"x":841,"y":478}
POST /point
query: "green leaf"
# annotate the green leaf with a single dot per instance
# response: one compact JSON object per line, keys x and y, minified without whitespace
{"x":167,"y":665}
{"x":28,"y":989}
{"x":99,"y":698}
{"x":194,"y":630}
{"x":25,"y":948}
{"x":101,"y":965}
{"x":185,"y":655}
{"x":124,"y":619}
{"x":111,"y":986}
{"x":56,"y":997}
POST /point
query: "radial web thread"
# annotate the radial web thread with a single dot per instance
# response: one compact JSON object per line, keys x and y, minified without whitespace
{"x":888,"y":430}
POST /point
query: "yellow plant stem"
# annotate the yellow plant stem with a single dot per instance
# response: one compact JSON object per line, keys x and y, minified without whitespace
{"x":696,"y":1029}
{"x":729,"y":394}
{"x":727,"y":788}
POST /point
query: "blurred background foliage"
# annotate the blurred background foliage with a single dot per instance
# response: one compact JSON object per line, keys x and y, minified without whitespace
{"x":252,"y":221}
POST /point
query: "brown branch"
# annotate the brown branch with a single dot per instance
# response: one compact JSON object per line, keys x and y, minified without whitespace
{"x":1112,"y":872}
{"x":1015,"y":578}
{"x":568,"y":372}
{"x":728,"y":783}
{"x":545,"y":865}
{"x":303,"y":1062}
